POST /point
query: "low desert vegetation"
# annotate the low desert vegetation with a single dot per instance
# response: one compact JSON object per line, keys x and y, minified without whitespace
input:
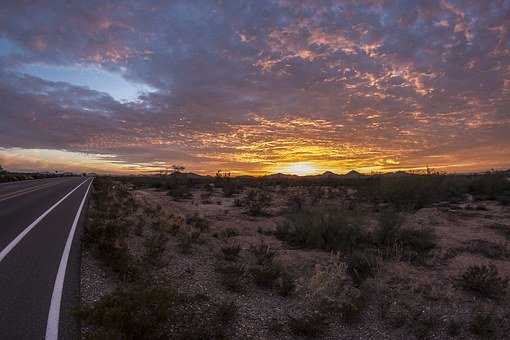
{"x":390,"y":256}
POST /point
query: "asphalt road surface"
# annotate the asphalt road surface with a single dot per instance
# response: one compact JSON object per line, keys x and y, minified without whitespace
{"x":40,"y":227}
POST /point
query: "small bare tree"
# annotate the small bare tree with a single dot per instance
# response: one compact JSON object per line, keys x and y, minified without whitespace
{"x":177,"y":168}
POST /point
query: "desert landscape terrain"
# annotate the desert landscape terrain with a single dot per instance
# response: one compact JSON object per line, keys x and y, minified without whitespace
{"x":398,"y":256}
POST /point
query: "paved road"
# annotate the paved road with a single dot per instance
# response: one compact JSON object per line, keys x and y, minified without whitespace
{"x":40,"y":228}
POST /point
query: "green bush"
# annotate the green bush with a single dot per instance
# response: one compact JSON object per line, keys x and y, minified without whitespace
{"x":198,"y":222}
{"x":413,"y":245}
{"x":179,"y":192}
{"x":484,"y":281}
{"x":229,"y":232}
{"x":132,"y":313}
{"x":417,"y":243}
{"x":308,"y":325}
{"x":154,"y":250}
{"x":233,"y":276}
{"x":484,"y":325}
{"x":263,"y":253}
{"x":324,"y":229}
{"x":257,"y":201}
{"x":361,"y":266}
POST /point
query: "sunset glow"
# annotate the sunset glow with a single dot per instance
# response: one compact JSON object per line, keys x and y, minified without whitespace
{"x":255,"y":87}
{"x":301,"y":169}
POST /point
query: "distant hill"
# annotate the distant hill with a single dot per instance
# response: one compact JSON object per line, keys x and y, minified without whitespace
{"x":353,"y":174}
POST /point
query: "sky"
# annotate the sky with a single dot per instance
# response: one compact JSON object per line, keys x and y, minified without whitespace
{"x":254,"y":87}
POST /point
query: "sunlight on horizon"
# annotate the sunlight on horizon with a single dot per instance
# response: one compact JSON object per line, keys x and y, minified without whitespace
{"x":301,"y":169}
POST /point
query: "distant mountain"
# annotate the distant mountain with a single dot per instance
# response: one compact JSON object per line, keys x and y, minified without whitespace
{"x":399,"y":173}
{"x":329,"y":174}
{"x":353,"y":174}
{"x":280,"y":176}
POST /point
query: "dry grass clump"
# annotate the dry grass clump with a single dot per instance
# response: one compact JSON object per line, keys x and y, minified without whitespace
{"x":484,"y":281}
{"x":269,"y":274}
{"x":233,"y":276}
{"x":324,"y":229}
{"x":256,"y":201}
{"x":154,"y":312}
{"x":231,"y":251}
{"x":330,"y":295}
{"x":395,"y":241}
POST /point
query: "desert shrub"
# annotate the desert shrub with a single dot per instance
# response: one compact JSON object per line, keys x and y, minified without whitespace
{"x":131,"y":313}
{"x":361,"y":266}
{"x":417,"y":243}
{"x":205,"y":198}
{"x":229,"y":232}
{"x":230,"y":189}
{"x":296,"y":202}
{"x":105,"y":234}
{"x":233,"y":276}
{"x":422,"y":324}
{"x":198,"y":222}
{"x":284,"y":284}
{"x":262,"y":252}
{"x":231,"y":251}
{"x":155,"y":312}
{"x":453,"y":328}
{"x":501,"y":229}
{"x":484,"y":324}
{"x":266,"y":275}
{"x":486,"y":248}
{"x":308,"y":325}
{"x":484,"y":281}
{"x":388,"y":231}
{"x":154,"y":249}
{"x":264,"y":231}
{"x":324,"y":229}
{"x":186,"y":240}
{"x":179,"y":192}
{"x":330,"y":291}
{"x":393,"y":240}
{"x":412,"y":192}
{"x":256,"y":201}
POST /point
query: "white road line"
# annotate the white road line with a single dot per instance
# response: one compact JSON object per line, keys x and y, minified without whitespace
{"x":56,"y":297}
{"x":18,"y":238}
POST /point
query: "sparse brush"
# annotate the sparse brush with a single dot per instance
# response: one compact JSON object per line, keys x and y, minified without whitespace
{"x":484,"y":281}
{"x":484,"y":324}
{"x":265,"y":275}
{"x":422,"y":324}
{"x":154,"y":250}
{"x":229,"y":232}
{"x":179,"y":192}
{"x":198,"y":222}
{"x":361,"y":266}
{"x":231,"y":251}
{"x":233,"y":276}
{"x":284,"y":284}
{"x":256,"y":201}
{"x":454,"y":328}
{"x":312,"y":324}
{"x":417,"y":243}
{"x":324,"y":229}
{"x":263,"y":253}
{"x":187,"y":239}
{"x":131,"y":313}
{"x":486,"y":248}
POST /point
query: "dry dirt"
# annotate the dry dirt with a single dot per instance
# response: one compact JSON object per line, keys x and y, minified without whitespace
{"x":428,"y":289}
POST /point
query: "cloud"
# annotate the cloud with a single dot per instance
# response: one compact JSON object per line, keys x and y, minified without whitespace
{"x":252,"y":86}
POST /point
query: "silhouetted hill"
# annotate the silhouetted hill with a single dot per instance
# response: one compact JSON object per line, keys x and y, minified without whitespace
{"x":352,"y":174}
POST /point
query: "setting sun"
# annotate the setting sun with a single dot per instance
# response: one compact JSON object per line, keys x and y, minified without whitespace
{"x":301,"y":169}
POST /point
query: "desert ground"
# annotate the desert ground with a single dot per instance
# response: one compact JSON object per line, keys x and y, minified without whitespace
{"x":402,"y":257}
